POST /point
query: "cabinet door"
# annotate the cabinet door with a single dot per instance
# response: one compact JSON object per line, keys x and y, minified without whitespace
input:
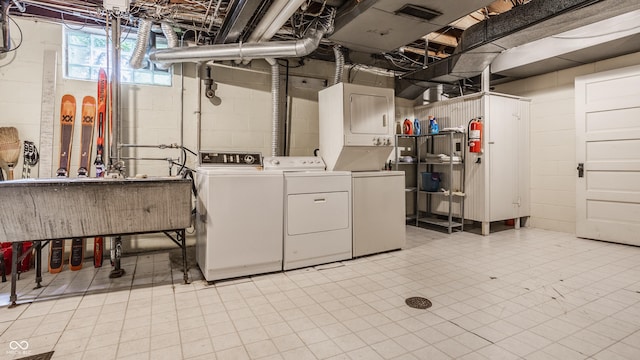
{"x":503,"y":153}
{"x":369,"y":114}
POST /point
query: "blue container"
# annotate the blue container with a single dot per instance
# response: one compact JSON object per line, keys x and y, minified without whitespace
{"x":431,"y":181}
{"x":433,"y":126}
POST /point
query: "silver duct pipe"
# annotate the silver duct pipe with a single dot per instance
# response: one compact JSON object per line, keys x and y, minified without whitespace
{"x":337,"y":52}
{"x":272,"y":49}
{"x":275,"y":104}
{"x":277,"y":15}
{"x":172,"y":40}
{"x":137,"y":57}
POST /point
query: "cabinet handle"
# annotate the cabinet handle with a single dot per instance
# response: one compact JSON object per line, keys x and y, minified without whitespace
{"x":319,"y":200}
{"x":580,"y":169}
{"x":384,"y":120}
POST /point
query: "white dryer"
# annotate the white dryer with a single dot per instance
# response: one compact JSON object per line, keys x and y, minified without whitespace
{"x":239,"y":216}
{"x":317,"y":212}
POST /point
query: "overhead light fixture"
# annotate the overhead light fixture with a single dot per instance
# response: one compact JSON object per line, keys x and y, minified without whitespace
{"x":418,"y":12}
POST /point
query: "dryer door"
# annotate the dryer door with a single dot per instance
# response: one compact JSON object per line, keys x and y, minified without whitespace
{"x":310,"y":213}
{"x":369,"y":114}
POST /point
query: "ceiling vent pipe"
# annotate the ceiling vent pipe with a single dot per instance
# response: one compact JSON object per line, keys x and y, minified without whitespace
{"x":137,"y":57}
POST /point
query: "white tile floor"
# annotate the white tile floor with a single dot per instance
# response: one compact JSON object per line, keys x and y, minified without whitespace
{"x":529,"y":294}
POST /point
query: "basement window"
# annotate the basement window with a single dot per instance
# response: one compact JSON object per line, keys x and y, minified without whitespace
{"x":86,"y":51}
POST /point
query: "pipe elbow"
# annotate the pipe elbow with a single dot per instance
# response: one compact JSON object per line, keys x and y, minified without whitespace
{"x":309,"y":44}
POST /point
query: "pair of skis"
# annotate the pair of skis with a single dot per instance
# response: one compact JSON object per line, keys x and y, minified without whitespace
{"x":67,"y":120}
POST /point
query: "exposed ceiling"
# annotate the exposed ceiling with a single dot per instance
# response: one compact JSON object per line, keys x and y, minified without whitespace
{"x":424,"y":42}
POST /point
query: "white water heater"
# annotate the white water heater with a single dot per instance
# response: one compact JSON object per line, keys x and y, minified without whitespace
{"x":356,"y":126}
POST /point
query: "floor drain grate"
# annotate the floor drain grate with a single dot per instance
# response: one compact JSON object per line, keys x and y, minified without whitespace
{"x":418,"y":302}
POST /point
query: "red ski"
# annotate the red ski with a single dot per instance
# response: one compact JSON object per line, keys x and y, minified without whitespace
{"x":67,"y":119}
{"x":98,"y":241}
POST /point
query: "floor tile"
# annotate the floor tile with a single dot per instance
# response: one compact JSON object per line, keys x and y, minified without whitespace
{"x":527,"y":294}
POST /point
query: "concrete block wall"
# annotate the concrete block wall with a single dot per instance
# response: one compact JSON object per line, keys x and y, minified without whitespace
{"x":553,"y":140}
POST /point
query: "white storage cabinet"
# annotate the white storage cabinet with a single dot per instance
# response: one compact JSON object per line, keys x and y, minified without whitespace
{"x":497,"y":183}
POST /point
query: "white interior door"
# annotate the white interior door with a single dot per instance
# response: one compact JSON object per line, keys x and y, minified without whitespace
{"x":608,"y":146}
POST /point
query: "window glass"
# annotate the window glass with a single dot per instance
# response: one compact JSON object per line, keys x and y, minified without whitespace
{"x":86,"y":51}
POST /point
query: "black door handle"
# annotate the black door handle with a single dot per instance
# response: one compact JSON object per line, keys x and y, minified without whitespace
{"x":580,"y":169}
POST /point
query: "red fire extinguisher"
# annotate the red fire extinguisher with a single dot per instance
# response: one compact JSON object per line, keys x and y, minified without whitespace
{"x":475,"y":135}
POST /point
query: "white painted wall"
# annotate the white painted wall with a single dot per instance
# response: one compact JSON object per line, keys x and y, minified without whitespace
{"x":553,"y":145}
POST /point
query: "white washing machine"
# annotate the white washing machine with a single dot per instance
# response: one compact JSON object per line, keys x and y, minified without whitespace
{"x":317,"y":212}
{"x":239,"y":216}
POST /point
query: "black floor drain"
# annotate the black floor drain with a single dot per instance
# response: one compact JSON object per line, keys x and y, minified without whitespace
{"x":43,"y":356}
{"x":418,"y":302}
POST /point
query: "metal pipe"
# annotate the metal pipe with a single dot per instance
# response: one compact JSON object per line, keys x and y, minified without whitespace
{"x":337,"y":52}
{"x":159,"y":146}
{"x":182,"y":109}
{"x":199,"y":108}
{"x":275,"y":102}
{"x":172,"y":40}
{"x":150,"y":159}
{"x":273,"y":49}
{"x":277,"y":15}
{"x":5,"y":44}
{"x":215,"y":14}
{"x":114,"y":150}
{"x":137,"y":57}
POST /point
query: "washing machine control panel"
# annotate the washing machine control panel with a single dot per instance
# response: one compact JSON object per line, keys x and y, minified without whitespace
{"x":214,"y":158}
{"x":294,"y":163}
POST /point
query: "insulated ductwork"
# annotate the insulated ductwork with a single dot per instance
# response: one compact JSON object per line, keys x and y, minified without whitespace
{"x":337,"y":78}
{"x":172,"y":40}
{"x":273,"y":49}
{"x":137,"y":58}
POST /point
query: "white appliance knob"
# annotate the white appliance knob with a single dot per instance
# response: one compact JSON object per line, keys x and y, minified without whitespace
{"x":275,"y":162}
